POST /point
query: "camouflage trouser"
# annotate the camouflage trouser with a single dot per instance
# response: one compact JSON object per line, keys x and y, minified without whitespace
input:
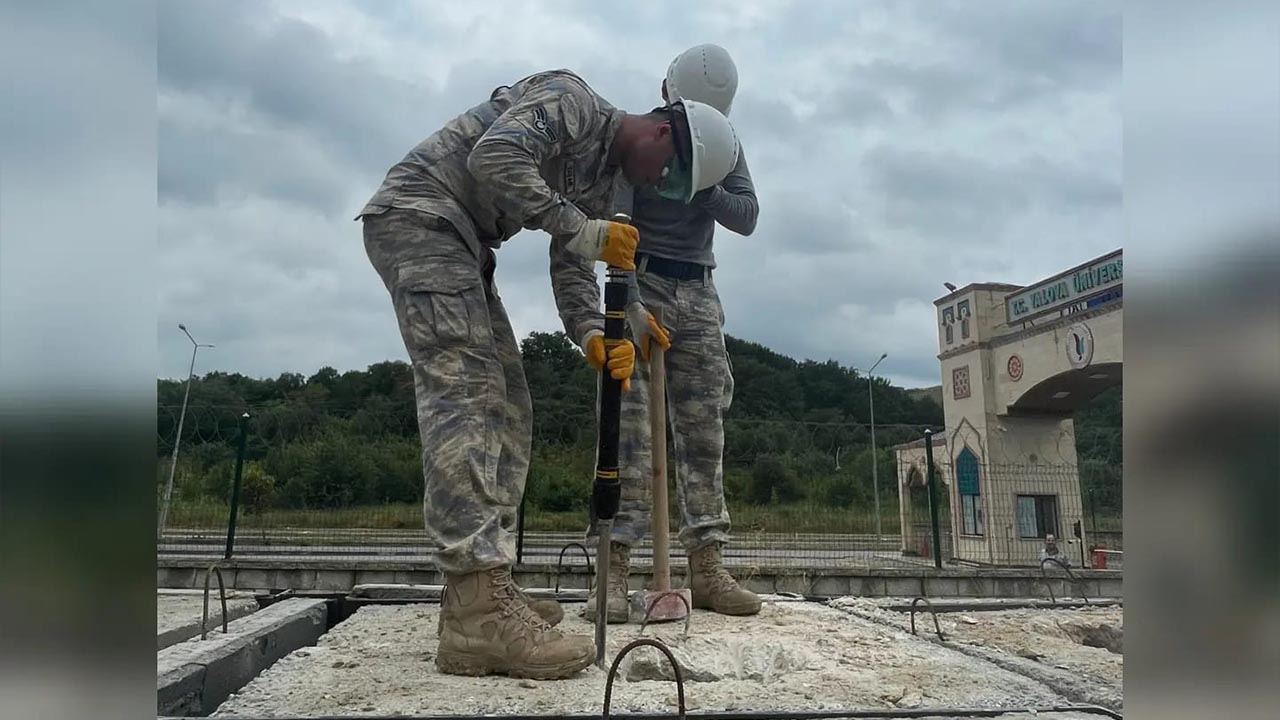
{"x":699,"y":384}
{"x":474,"y":411}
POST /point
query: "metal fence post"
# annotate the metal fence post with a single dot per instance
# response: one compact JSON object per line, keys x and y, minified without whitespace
{"x":235,"y":486}
{"x":932,"y":480}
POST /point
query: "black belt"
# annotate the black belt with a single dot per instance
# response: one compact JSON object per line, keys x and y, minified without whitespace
{"x":673,"y":269}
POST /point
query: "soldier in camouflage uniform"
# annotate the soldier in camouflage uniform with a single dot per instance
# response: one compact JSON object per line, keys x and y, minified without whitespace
{"x":544,"y":154}
{"x":675,"y":264}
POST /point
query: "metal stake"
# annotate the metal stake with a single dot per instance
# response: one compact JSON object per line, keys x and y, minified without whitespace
{"x":606,"y":492}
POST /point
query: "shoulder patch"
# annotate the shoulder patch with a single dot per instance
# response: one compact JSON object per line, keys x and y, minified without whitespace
{"x":541,"y":124}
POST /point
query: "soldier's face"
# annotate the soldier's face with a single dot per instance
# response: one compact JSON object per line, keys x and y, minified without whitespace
{"x":643,"y":166}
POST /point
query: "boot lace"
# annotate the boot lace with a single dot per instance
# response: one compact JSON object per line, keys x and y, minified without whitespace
{"x":710,"y":567}
{"x":512,"y":603}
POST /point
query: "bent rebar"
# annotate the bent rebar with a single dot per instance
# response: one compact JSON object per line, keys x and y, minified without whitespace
{"x":936,"y":628}
{"x":654,"y":603}
{"x":1044,"y":577}
{"x":222,"y":593}
{"x":613,"y":673}
{"x":560,"y":563}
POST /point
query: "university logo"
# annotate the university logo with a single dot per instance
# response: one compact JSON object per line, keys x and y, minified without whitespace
{"x":1079,"y":345}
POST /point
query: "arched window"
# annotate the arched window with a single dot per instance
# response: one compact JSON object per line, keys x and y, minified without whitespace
{"x":968,"y":483}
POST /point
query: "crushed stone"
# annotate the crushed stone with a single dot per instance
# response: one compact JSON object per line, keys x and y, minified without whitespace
{"x":791,"y":656}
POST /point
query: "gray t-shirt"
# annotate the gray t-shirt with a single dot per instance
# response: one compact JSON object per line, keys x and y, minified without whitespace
{"x":676,"y":231}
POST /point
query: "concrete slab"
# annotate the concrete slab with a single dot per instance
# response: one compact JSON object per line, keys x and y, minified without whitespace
{"x":1076,"y":651}
{"x":193,"y":677}
{"x":791,"y":656}
{"x":178,"y":615}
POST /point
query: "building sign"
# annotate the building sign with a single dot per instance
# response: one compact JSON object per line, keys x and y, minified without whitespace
{"x":1102,"y":276}
{"x":1079,"y":345}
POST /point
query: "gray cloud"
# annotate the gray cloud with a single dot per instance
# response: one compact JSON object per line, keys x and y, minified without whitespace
{"x":951,"y":194}
{"x":894,"y":146}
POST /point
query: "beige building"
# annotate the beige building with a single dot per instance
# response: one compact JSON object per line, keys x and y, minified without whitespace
{"x":1016,"y":363}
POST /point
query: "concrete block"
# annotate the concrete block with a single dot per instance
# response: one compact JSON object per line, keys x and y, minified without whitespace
{"x":396,"y":591}
{"x":1111,"y":587}
{"x":799,"y":583}
{"x":902,"y":587}
{"x":831,"y":586}
{"x":537,"y":578}
{"x":973,"y":587}
{"x":179,"y":689}
{"x":941,"y":587}
{"x":337,"y":580}
{"x":416,"y":577}
{"x":375,"y":577}
{"x":173,"y":577}
{"x":297,"y":579}
{"x":178,"y":617}
{"x":224,"y":663}
{"x":249,"y":579}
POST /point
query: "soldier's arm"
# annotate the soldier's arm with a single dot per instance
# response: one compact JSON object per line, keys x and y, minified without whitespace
{"x":733,"y":202}
{"x":508,"y":157}
{"x":577,"y":292}
{"x":574,"y":281}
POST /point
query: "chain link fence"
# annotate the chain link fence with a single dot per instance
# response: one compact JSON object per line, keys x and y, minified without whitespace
{"x":318,"y":482}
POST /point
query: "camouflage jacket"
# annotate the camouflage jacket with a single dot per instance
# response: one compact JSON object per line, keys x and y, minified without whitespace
{"x":535,"y":156}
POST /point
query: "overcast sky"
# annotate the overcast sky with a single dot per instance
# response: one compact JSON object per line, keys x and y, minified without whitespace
{"x":894,"y":146}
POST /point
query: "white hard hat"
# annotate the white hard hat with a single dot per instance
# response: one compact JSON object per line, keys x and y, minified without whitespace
{"x":707,"y":146}
{"x":703,"y":73}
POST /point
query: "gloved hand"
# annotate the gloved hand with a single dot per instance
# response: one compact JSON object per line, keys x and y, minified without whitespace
{"x":614,"y":243}
{"x":645,"y":327}
{"x":622,"y":359}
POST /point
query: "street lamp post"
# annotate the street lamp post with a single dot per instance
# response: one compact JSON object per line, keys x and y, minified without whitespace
{"x":875,"y":474}
{"x":168,"y":488}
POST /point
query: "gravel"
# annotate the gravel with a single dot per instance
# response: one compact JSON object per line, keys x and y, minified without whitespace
{"x":792,"y":656}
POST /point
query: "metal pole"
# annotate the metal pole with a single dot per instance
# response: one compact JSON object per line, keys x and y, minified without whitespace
{"x":932,"y":479}
{"x":875,"y":474}
{"x":235,"y":486}
{"x":168,"y":488}
{"x":520,"y":530}
{"x":606,"y":491}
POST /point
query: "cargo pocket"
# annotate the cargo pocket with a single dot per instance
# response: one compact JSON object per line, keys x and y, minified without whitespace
{"x":442,"y":308}
{"x":445,"y":320}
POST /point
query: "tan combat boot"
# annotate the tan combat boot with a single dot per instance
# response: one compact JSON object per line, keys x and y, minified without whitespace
{"x":487,"y":628}
{"x":713,"y":588}
{"x":619,"y":569}
{"x":548,"y":610}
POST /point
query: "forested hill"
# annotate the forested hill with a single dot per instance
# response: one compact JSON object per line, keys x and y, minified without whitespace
{"x":797,"y":432}
{"x":768,"y":386}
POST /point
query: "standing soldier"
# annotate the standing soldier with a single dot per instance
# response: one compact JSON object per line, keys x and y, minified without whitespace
{"x":674,"y":265}
{"x":544,"y":154}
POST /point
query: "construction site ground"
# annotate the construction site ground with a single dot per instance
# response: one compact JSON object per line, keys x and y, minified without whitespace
{"x":179,"y":613}
{"x":850,"y":653}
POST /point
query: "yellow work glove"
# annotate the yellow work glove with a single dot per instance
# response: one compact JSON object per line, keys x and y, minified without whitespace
{"x":622,"y":359}
{"x":645,"y":327}
{"x":614,"y":243}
